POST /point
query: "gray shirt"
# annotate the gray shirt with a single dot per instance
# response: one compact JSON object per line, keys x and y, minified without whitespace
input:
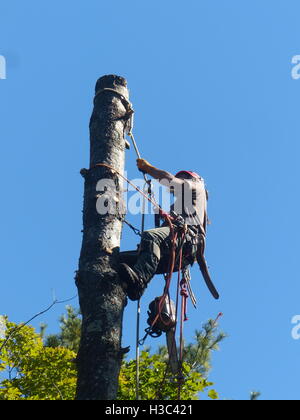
{"x":191,"y":201}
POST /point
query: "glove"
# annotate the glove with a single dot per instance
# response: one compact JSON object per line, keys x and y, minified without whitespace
{"x":143,"y":165}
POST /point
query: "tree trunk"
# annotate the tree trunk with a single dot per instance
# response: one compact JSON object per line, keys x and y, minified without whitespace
{"x":101,"y":296}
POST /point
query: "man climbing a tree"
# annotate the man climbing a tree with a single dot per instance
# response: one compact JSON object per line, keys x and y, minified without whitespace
{"x":190,"y":208}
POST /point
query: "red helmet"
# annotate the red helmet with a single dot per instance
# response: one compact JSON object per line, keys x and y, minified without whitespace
{"x":192,"y":174}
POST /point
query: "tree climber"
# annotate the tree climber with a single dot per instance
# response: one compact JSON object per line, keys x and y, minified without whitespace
{"x":191,"y":204}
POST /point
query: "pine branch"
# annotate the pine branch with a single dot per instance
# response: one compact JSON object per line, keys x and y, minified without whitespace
{"x":19,"y":327}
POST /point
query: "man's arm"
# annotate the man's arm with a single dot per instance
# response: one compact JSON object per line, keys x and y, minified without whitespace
{"x":159,"y":174}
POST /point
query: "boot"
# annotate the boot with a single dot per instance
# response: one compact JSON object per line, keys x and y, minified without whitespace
{"x":138,"y":277}
{"x":135,"y":284}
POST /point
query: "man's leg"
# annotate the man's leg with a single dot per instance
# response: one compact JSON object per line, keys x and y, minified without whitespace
{"x":150,"y":252}
{"x":145,"y":268}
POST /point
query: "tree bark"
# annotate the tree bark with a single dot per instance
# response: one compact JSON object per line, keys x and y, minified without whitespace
{"x":101,"y":296}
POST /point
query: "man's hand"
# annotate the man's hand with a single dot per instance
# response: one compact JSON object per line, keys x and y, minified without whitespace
{"x":143,"y":165}
{"x":156,"y":173}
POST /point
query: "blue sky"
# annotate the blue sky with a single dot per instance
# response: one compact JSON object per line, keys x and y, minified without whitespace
{"x":212,"y":88}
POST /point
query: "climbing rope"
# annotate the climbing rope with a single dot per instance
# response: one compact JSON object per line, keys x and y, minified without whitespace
{"x":138,"y":313}
{"x":137,"y":231}
{"x":148,"y":184}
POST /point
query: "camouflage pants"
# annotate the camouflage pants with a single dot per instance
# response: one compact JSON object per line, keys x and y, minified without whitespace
{"x":155,"y":251}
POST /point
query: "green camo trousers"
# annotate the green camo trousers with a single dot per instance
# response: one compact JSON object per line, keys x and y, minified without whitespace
{"x":155,"y":248}
{"x":153,"y":243}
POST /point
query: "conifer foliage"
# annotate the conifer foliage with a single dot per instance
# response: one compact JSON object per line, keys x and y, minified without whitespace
{"x":34,"y":366}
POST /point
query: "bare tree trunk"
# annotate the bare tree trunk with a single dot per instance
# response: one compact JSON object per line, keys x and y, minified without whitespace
{"x":101,"y":296}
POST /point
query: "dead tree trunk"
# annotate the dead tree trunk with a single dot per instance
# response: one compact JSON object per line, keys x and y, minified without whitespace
{"x":101,"y":296}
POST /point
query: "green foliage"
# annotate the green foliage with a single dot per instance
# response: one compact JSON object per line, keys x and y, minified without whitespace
{"x":34,"y":367}
{"x":33,"y":371}
{"x":69,"y":336}
{"x":213,"y":394}
{"x":157,"y":383}
{"x":198,"y":354}
{"x":254,"y":395}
